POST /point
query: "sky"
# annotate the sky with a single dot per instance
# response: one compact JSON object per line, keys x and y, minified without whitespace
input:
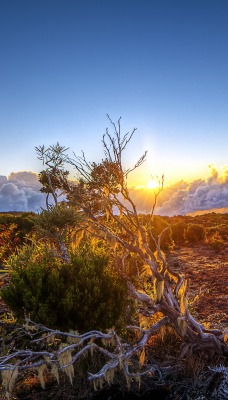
{"x":160,"y":65}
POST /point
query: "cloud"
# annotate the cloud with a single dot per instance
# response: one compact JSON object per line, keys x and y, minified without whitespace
{"x":187,"y":197}
{"x":25,"y":178}
{"x":198,"y":195}
{"x":21,"y":192}
{"x":3,"y":179}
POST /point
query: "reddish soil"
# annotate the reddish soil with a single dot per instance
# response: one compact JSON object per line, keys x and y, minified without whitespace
{"x":207,"y":272}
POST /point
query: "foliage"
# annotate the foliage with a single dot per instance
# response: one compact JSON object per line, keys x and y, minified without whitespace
{"x":57,"y":225}
{"x":54,"y":177}
{"x":13,"y":231}
{"x":216,"y":236}
{"x":220,"y":229}
{"x":158,"y":225}
{"x":178,"y":232}
{"x":58,"y":218}
{"x":81,"y":295}
{"x":9,"y":241}
{"x":216,"y":242}
{"x":194,"y":233}
{"x":24,"y":222}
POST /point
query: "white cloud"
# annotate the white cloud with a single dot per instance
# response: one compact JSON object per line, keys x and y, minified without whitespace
{"x":21,"y":192}
{"x":199,"y":195}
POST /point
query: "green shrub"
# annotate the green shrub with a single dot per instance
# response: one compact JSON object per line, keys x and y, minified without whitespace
{"x":194,"y":233}
{"x":81,"y":295}
{"x":157,"y":226}
{"x":178,"y":232}
{"x":216,"y":242}
{"x":220,"y":230}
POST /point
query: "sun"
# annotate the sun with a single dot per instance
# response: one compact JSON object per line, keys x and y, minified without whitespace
{"x":152,"y":184}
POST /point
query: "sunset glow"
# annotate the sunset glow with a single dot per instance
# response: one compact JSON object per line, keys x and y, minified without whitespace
{"x":152,"y":184}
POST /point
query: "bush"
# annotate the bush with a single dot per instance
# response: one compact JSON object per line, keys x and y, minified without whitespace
{"x":157,"y":226}
{"x":24,"y":222}
{"x":178,"y":232}
{"x":9,"y":240}
{"x":194,"y":233}
{"x":216,"y":242}
{"x":82,"y":295}
{"x":13,"y":231}
{"x":220,"y":230}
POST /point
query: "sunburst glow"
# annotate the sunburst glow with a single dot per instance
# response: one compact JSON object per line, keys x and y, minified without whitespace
{"x":152,"y":184}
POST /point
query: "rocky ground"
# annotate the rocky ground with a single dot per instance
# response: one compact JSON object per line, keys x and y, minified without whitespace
{"x":207,"y":272}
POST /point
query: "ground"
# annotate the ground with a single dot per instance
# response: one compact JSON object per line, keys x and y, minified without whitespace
{"x":207,"y":271}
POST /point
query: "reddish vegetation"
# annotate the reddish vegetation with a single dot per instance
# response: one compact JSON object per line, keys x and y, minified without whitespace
{"x":207,"y":272}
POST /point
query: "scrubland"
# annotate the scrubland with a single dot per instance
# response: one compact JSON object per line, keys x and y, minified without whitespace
{"x":194,"y":246}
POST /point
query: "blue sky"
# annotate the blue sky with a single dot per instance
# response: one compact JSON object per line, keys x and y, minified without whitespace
{"x":161,"y":65}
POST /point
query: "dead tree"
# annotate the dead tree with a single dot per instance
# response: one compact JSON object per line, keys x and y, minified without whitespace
{"x":102,"y":195}
{"x":103,"y":191}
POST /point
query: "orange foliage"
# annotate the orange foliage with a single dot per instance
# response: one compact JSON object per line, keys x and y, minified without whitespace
{"x":9,"y":240}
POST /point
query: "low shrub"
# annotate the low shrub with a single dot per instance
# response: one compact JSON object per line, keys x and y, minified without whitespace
{"x":178,"y":232}
{"x":9,"y":240}
{"x":157,"y":226}
{"x":216,"y":242}
{"x":194,"y":233}
{"x":81,"y":295}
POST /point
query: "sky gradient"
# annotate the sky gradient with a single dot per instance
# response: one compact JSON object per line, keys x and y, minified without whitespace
{"x":160,"y":65}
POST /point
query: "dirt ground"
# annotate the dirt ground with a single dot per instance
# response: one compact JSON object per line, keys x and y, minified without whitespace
{"x":207,"y":272}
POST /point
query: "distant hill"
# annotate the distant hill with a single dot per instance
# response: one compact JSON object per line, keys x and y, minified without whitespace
{"x":223,"y":210}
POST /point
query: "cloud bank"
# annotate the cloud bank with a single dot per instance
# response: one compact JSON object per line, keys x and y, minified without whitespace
{"x":20,"y":191}
{"x":185,"y":198}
